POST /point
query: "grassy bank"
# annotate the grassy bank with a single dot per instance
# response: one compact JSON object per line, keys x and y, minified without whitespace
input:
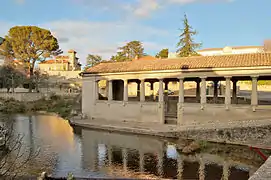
{"x":56,"y":104}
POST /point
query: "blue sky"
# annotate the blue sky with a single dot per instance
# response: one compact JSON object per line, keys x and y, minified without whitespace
{"x":100,"y":26}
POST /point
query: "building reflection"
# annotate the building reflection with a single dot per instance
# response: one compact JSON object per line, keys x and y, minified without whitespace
{"x":145,"y":157}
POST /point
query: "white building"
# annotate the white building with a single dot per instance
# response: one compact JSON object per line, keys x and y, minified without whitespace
{"x":226,"y":50}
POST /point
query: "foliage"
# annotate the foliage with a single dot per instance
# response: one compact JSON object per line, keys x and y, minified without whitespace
{"x":56,"y":104}
{"x":13,"y":156}
{"x":186,"y":46}
{"x":92,"y":60}
{"x":162,"y":54}
{"x":10,"y":77}
{"x":132,"y":50}
{"x":1,"y":40}
{"x":29,"y":44}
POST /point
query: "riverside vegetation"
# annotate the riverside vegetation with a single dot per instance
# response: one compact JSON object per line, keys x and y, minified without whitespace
{"x":61,"y":105}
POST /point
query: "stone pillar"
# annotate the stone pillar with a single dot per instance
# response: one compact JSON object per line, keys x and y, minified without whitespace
{"x":201,"y":169}
{"x":215,"y":91}
{"x":125,"y":159}
{"x":198,"y":91}
{"x":234,"y":91}
{"x":254,"y":93}
{"x":203,"y":93}
{"x":161,"y":104}
{"x":125,"y":90}
{"x":110,"y":90}
{"x":141,"y":161}
{"x":181,"y":101}
{"x":228,"y":92}
{"x":109,"y":155}
{"x":142,"y":90}
{"x":161,"y":91}
{"x":225,"y":171}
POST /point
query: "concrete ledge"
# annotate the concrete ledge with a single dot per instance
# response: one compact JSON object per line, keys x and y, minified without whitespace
{"x":264,"y":172}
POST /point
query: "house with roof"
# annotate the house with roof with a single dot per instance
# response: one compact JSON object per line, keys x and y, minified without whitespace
{"x":63,"y":65}
{"x":181,"y":109}
{"x":226,"y":50}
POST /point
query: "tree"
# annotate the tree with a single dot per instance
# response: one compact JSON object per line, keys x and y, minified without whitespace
{"x":132,"y":50}
{"x":10,"y":78}
{"x":120,"y":56}
{"x":92,"y":60}
{"x":29,"y":44}
{"x":186,"y":45}
{"x":1,"y":40}
{"x":13,"y":156}
{"x":162,"y":54}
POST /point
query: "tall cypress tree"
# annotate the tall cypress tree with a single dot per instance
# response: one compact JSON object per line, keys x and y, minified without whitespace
{"x":186,"y":45}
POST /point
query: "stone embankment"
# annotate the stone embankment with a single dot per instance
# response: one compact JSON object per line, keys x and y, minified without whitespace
{"x":264,"y":172}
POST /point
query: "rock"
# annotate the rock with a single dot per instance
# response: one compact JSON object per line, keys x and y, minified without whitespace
{"x":191,"y":148}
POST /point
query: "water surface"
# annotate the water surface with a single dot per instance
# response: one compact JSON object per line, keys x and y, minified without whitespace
{"x":89,"y":153}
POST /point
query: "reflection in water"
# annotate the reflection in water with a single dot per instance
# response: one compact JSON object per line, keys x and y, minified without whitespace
{"x":104,"y":154}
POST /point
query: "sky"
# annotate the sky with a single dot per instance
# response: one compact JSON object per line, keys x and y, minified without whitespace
{"x":101,"y":26}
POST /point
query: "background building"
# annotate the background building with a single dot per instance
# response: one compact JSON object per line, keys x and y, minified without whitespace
{"x":225,"y":51}
{"x":61,"y":63}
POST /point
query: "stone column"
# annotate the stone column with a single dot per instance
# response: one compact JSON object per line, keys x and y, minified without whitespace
{"x":161,"y":90}
{"x":215,"y":91}
{"x":225,"y":171}
{"x":109,"y":154}
{"x":254,"y":93}
{"x":203,"y":93}
{"x":141,"y":161}
{"x":161,"y":104}
{"x":198,"y":91}
{"x":142,"y":90}
{"x":125,"y":90}
{"x":110,"y":90}
{"x":181,"y":101}
{"x":228,"y":92}
{"x":234,"y":91}
{"x":125,"y":158}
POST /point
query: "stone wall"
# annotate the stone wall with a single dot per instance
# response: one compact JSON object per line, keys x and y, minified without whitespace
{"x":257,"y":136}
{"x":23,"y":96}
{"x":127,"y":111}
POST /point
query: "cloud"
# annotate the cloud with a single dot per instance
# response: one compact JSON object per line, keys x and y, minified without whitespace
{"x":138,"y":8}
{"x":102,"y":38}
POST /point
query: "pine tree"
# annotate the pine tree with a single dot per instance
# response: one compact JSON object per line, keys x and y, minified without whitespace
{"x":186,"y":45}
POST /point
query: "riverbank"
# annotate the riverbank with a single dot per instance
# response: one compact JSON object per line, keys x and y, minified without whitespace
{"x":249,"y":132}
{"x":61,"y":105}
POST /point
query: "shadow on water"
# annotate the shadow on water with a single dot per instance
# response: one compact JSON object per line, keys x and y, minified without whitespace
{"x":88,"y":153}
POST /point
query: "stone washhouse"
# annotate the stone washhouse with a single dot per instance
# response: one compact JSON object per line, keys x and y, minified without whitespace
{"x":178,"y":109}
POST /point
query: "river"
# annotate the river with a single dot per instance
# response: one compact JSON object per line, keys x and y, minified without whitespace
{"x":89,"y":153}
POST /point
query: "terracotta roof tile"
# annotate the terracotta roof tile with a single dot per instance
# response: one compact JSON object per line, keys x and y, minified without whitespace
{"x":52,"y":61}
{"x":196,"y":62}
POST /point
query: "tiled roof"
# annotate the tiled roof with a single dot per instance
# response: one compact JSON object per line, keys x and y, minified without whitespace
{"x":196,"y":62}
{"x":234,"y":47}
{"x":146,"y":58}
{"x":52,"y":61}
